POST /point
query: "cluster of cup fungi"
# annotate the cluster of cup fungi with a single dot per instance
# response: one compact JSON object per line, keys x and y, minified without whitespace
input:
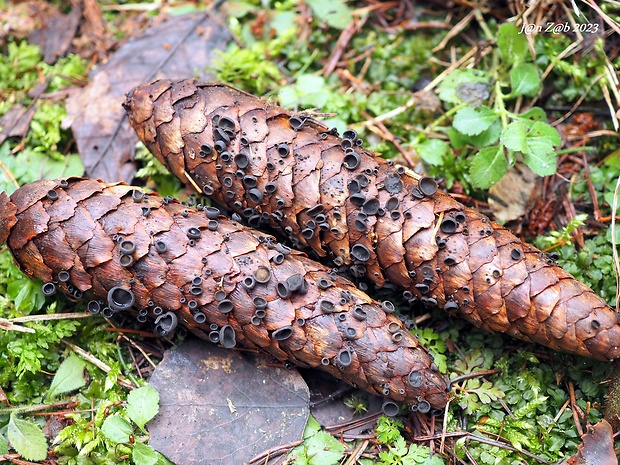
{"x":190,"y":266}
{"x":289,"y":172}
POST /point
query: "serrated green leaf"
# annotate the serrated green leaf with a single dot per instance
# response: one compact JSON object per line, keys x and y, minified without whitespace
{"x":116,"y":429}
{"x":143,"y":454}
{"x":69,"y":376}
{"x":433,"y":151}
{"x":488,"y":167}
{"x":4,"y":445}
{"x":161,"y":460}
{"x":434,"y":460}
{"x":514,"y":136}
{"x":540,"y":156}
{"x":324,"y":449}
{"x":312,"y":427}
{"x":512,"y":45}
{"x":542,"y":129}
{"x":533,"y":114}
{"x":488,"y":393}
{"x":540,"y":153}
{"x":142,"y":405}
{"x":27,"y":439}
{"x":488,"y":137}
{"x":525,"y":79}
{"x":335,"y":12}
{"x":472,"y":120}
{"x":308,"y":91}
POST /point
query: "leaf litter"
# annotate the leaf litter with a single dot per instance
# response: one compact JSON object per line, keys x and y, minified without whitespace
{"x":103,"y":136}
{"x":228,"y":406}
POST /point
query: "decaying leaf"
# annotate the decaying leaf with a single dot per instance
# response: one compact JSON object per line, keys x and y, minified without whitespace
{"x":511,"y":195}
{"x":126,"y":249}
{"x":597,"y":447}
{"x":55,"y":36}
{"x":211,"y":397}
{"x":181,"y":46}
{"x":16,"y":122}
{"x":285,"y":170}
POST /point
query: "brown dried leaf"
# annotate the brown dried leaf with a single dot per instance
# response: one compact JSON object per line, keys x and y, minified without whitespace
{"x":227,"y":406}
{"x":56,"y":35}
{"x":514,"y":191}
{"x":179,"y":47}
{"x":597,"y":447}
{"x":16,"y":122}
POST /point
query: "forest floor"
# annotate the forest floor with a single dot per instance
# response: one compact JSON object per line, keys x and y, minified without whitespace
{"x":513,"y":106}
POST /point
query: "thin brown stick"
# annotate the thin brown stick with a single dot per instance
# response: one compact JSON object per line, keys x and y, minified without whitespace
{"x":274,"y":452}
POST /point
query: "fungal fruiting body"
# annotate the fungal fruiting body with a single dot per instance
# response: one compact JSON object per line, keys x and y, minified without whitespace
{"x":222,"y":281}
{"x":286,"y":170}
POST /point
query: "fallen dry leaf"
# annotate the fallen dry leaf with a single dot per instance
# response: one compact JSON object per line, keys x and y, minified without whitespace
{"x":180,"y":47}
{"x":597,"y":447}
{"x":514,"y":191}
{"x":224,"y":406}
{"x":16,"y":122}
{"x":57,"y":32}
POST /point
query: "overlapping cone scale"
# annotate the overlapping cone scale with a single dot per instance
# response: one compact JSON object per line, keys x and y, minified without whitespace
{"x":124,"y":249}
{"x":326,"y":192}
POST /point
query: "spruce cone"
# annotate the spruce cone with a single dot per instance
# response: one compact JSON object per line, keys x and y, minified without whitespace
{"x":227,"y":283}
{"x":326,"y":192}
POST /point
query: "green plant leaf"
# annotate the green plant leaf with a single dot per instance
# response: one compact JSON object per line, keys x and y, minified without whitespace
{"x":324,"y":449}
{"x":448,"y":87}
{"x":533,"y":114}
{"x":488,"y":393}
{"x":142,"y":405}
{"x":541,"y":159}
{"x":433,"y":151}
{"x":312,"y":427}
{"x":308,"y":91}
{"x":514,"y":136}
{"x":546,"y":131}
{"x":540,"y":153}
{"x":512,"y":45}
{"x":27,"y":439}
{"x":116,"y":429}
{"x":334,"y":12}
{"x":472,"y":120}
{"x":143,"y":454}
{"x":69,"y":376}
{"x":388,"y":430}
{"x":489,"y":136}
{"x":525,"y":79}
{"x":488,"y":166}
{"x":4,"y":445}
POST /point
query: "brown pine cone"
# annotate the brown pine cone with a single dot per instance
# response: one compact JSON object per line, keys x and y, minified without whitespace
{"x":328,"y":193}
{"x":126,"y":249}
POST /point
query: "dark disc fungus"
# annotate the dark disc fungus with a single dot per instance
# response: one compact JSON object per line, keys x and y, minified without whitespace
{"x":94,"y":307}
{"x":126,"y":261}
{"x":390,"y":408}
{"x":281,"y":334}
{"x":415,"y":378}
{"x":427,"y":185}
{"x":120,"y":299}
{"x":165,"y":324}
{"x":228,"y":337}
{"x":127,"y":247}
{"x":225,"y":306}
{"x":360,"y":252}
{"x":344,"y":357}
{"x":262,"y":274}
{"x":448,"y":225}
